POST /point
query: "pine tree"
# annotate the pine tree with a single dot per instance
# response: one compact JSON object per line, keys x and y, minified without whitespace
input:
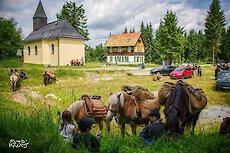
{"x":75,"y":16}
{"x":158,"y":46}
{"x":214,"y":28}
{"x":147,"y":35}
{"x":170,"y":37}
{"x":125,"y":31}
{"x":225,"y":52}
{"x":133,"y":30}
{"x":194,"y":49}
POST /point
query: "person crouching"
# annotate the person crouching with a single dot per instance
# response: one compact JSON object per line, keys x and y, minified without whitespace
{"x":154,"y":130}
{"x":84,"y":139}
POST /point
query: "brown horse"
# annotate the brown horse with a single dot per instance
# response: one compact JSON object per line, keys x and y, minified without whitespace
{"x":225,"y":126}
{"x":49,"y":77}
{"x":89,"y":107}
{"x":122,"y":106}
{"x":177,"y":112}
{"x":15,"y":79}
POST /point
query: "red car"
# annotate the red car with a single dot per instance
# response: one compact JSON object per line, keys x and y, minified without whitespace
{"x":182,"y":73}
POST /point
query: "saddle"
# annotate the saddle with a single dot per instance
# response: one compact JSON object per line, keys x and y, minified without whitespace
{"x":94,"y":106}
{"x":51,"y":73}
{"x":138,"y":94}
{"x":197,"y":98}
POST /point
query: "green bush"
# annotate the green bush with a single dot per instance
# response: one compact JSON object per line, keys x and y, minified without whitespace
{"x":15,"y":62}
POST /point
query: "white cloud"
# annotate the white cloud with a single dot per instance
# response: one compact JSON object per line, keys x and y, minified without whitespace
{"x":105,"y":16}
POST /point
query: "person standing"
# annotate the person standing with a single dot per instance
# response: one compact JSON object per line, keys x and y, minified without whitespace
{"x":154,"y":130}
{"x":199,"y":70}
{"x":217,"y":70}
{"x":194,"y":70}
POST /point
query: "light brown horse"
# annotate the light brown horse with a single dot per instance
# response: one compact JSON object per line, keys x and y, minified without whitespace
{"x":121,"y":106}
{"x":49,"y":77}
{"x":79,"y":110}
{"x":15,"y":80}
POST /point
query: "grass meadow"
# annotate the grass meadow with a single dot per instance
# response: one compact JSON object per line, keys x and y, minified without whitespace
{"x":36,"y":120}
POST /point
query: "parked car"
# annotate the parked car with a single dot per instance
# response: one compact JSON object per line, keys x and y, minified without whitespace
{"x":223,"y":80}
{"x":163,"y":70}
{"x":182,"y":73}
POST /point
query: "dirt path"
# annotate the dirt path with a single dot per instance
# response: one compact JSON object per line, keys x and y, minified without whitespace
{"x":214,"y":113}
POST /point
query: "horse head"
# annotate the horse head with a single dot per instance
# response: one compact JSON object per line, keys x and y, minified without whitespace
{"x":114,"y":104}
{"x":172,"y":125}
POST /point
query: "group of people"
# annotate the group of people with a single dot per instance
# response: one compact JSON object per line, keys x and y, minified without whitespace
{"x":82,"y":138}
{"x":221,"y":66}
{"x":76,"y":62}
{"x":79,"y":137}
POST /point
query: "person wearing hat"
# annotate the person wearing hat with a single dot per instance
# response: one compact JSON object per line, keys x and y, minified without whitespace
{"x":154,"y":129}
{"x":84,"y":139}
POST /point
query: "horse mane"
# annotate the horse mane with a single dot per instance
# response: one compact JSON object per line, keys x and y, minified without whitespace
{"x":176,"y":99}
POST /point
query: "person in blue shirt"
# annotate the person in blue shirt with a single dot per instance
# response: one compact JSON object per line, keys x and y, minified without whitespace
{"x":154,"y":130}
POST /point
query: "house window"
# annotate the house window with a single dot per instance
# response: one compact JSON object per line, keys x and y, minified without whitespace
{"x":28,"y":50}
{"x":111,"y":58}
{"x":123,"y":58}
{"x":135,"y":58}
{"x":127,"y":59}
{"x":52,"y":49}
{"x":138,"y":59}
{"x":110,"y":49}
{"x":36,"y":50}
{"x":119,"y":49}
{"x":129,"y":49}
{"x":119,"y":58}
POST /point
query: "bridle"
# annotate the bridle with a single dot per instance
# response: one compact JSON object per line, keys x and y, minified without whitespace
{"x":118,"y":104}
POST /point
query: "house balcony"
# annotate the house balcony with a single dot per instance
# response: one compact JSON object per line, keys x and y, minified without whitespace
{"x":125,"y":54}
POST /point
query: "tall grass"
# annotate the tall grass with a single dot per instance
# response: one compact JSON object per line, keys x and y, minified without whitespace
{"x":15,"y":62}
{"x":40,"y":130}
{"x":38,"y":124}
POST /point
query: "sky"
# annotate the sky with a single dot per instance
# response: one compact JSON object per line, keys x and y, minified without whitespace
{"x":112,"y":16}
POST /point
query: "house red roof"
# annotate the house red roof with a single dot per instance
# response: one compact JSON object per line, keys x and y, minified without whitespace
{"x":126,"y":39}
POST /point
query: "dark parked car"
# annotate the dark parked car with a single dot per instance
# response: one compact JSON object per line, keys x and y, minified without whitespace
{"x":182,"y":73}
{"x":163,"y":70}
{"x":223,"y":80}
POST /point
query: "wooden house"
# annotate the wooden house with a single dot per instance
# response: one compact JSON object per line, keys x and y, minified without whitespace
{"x":127,"y":48}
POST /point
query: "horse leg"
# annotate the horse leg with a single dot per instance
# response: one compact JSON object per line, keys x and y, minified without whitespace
{"x":194,"y":120}
{"x":99,"y":122}
{"x":14,"y":86}
{"x":107,"y":126}
{"x":123,"y":129}
{"x":133,"y":127}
